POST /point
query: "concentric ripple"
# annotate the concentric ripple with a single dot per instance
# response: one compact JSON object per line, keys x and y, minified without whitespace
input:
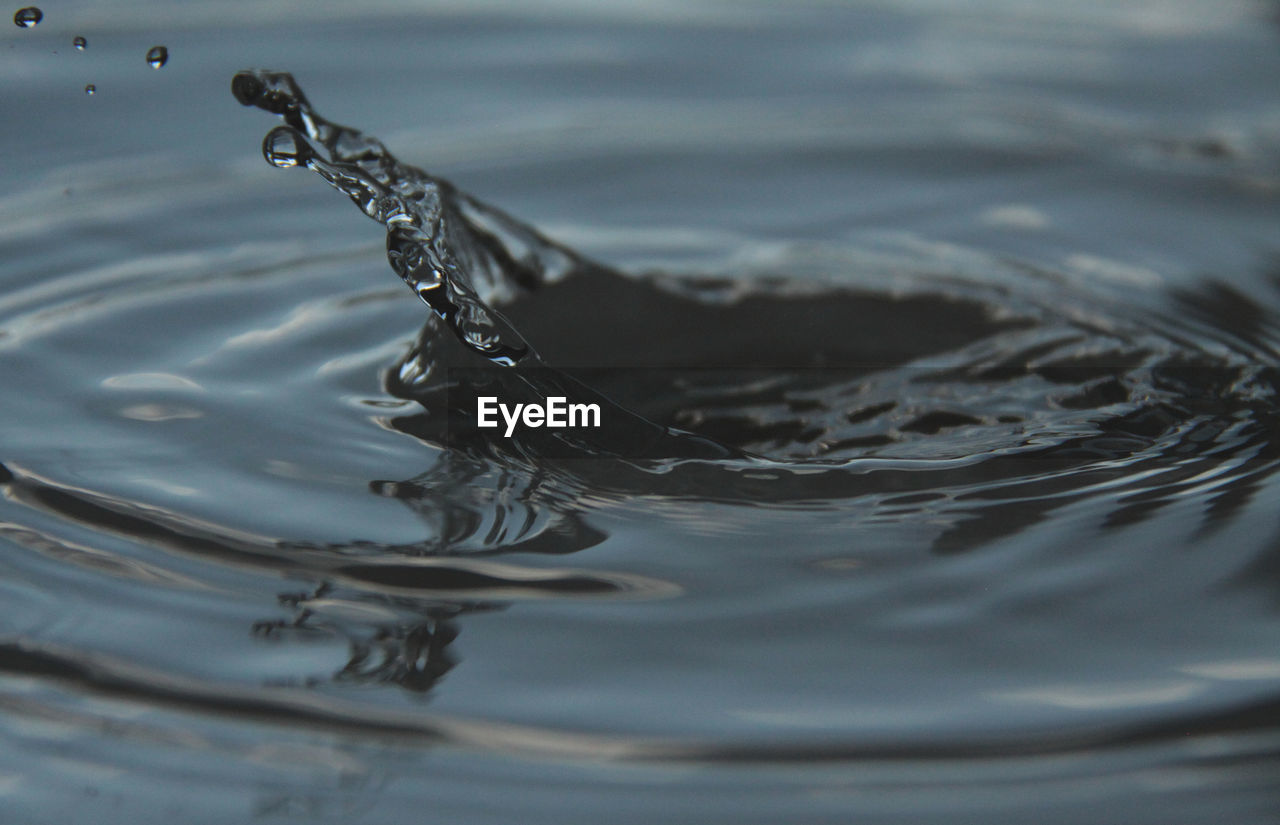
{"x":885,"y":514}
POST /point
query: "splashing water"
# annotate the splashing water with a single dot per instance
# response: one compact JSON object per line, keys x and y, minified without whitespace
{"x":939,"y":471}
{"x":1036,"y":391}
{"x":457,"y":254}
{"x":994,"y":419}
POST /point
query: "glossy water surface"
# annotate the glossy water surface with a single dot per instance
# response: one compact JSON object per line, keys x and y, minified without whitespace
{"x":955,"y":327}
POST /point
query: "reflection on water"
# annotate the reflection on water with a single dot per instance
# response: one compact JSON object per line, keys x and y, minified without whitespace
{"x":413,"y":656}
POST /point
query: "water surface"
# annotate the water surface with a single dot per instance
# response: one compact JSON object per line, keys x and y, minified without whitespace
{"x":958,"y":327}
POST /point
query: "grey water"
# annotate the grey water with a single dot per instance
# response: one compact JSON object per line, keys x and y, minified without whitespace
{"x":952,"y":332}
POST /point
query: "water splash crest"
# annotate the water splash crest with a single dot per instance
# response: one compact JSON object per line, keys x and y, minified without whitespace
{"x":457,"y":254}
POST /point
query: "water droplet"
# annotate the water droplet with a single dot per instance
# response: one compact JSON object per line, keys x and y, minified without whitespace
{"x":284,"y":147}
{"x":246,"y":88}
{"x":158,"y":56}
{"x":27,"y":17}
{"x":79,"y":43}
{"x":90,"y":89}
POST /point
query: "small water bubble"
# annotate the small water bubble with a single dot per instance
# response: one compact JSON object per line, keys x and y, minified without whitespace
{"x":79,"y":43}
{"x":157,"y":56}
{"x":27,"y":17}
{"x":90,"y":89}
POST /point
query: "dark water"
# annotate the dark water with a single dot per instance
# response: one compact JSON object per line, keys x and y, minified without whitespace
{"x":950,"y":332}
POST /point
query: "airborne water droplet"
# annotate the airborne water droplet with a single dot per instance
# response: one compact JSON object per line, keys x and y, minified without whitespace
{"x":90,"y":89}
{"x":158,"y":56}
{"x":79,"y":43}
{"x":27,"y":17}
